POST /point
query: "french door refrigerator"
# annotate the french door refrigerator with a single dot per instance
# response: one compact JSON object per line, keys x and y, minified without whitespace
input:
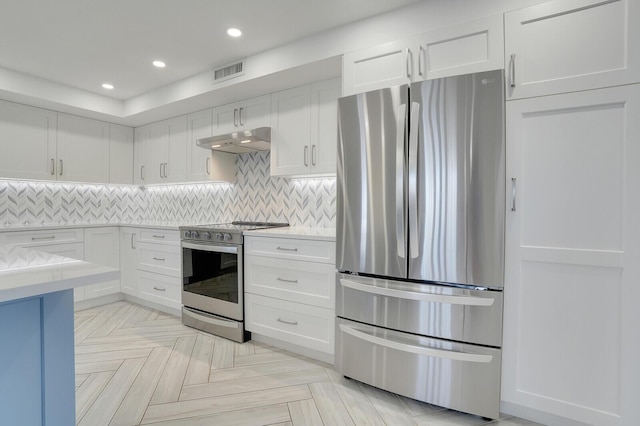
{"x":420,"y":240}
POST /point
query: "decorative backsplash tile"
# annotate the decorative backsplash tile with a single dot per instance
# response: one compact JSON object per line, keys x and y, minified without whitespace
{"x":255,"y":196}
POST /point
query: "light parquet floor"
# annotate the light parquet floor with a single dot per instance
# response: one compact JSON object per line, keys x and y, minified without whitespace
{"x":137,"y":366}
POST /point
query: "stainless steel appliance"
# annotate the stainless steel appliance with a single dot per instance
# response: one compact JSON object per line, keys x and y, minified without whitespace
{"x":420,"y":240}
{"x":212,"y":277}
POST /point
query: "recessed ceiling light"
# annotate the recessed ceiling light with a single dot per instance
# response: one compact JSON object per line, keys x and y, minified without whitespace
{"x":107,"y":86}
{"x":159,"y":64}
{"x":234,"y":32}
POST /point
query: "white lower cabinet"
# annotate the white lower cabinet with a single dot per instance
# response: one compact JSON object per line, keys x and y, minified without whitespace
{"x":102,"y":246}
{"x":571,"y":343}
{"x":129,"y":261}
{"x":290,"y":291}
{"x":159,"y":267}
{"x":297,"y":323}
{"x":158,"y":288}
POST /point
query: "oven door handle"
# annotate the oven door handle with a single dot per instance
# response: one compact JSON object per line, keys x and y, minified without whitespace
{"x":211,"y":247}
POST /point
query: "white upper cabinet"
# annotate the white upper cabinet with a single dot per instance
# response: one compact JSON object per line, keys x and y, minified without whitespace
{"x":304,"y":129}
{"x":566,"y":46}
{"x":82,"y":150}
{"x":247,"y":114}
{"x":204,"y":164}
{"x":324,"y":126}
{"x":461,"y":49}
{"x":28,"y":141}
{"x":166,"y":151}
{"x":386,"y":65}
{"x":120,"y":154}
{"x":290,"y":131}
{"x":140,"y":138}
{"x":474,"y":46}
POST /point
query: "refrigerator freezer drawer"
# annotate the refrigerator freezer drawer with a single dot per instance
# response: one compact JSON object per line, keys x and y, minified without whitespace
{"x":441,"y":311}
{"x":459,"y":376}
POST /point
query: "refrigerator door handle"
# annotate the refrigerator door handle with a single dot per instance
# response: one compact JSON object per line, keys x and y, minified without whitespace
{"x":414,"y":248}
{"x":420,"y":297}
{"x":402,"y":124}
{"x":419,"y":350}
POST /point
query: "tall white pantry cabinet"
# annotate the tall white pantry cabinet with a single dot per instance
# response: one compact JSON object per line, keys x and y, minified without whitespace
{"x":571,"y":341}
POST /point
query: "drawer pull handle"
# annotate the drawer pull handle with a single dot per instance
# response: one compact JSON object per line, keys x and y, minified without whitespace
{"x":159,"y":289}
{"x":50,"y":237}
{"x":286,"y":249}
{"x":158,"y":236}
{"x":287,"y":281}
{"x":287,"y":322}
{"x":159,"y":258}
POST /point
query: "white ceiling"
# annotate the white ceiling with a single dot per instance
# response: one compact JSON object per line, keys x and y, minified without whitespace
{"x":84,"y":43}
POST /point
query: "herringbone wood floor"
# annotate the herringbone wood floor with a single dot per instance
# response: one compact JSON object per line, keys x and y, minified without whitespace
{"x":136,"y":366}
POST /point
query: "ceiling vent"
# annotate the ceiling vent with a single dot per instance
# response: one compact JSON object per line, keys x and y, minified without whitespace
{"x":228,"y":71}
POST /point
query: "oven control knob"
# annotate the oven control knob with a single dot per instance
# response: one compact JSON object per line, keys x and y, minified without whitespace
{"x":187,"y":234}
{"x":195,"y":234}
{"x":206,"y":235}
{"x":228,"y":237}
{"x":219,"y":236}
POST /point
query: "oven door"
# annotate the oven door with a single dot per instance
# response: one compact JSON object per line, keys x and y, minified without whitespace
{"x":212,"y":279}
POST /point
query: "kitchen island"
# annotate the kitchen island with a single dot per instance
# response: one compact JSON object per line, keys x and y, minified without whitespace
{"x":36,"y":330}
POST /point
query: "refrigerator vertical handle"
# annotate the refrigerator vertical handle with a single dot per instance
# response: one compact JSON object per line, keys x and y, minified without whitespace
{"x":414,"y":248}
{"x":402,"y":125}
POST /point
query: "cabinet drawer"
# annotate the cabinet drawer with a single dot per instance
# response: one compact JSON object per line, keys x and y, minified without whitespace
{"x":293,"y":280}
{"x":421,"y":368}
{"x":160,"y":258}
{"x":167,"y":236}
{"x":160,"y":289}
{"x":299,"y":324}
{"x":42,"y":237}
{"x":295,"y":249}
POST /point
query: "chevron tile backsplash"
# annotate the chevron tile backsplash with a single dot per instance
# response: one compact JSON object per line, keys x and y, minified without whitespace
{"x":255,"y":196}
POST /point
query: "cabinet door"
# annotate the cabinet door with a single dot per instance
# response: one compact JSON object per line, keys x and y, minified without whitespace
{"x":247,"y":114}
{"x":390,"y":64}
{"x":28,"y":140}
{"x":462,"y":49}
{"x":254,"y":112}
{"x":120,"y":154}
{"x":291,"y":131}
{"x":324,"y":126}
{"x":204,"y":164}
{"x":573,"y":240}
{"x":176,"y":161}
{"x":128,"y":261}
{"x":101,"y":246}
{"x":83,"y":149}
{"x":559,"y":47}
{"x":156,"y":153}
{"x":140,"y":169}
{"x":166,"y":153}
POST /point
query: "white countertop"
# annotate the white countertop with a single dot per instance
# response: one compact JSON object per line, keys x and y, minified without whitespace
{"x":27,"y":273}
{"x":155,"y":224}
{"x":297,"y":232}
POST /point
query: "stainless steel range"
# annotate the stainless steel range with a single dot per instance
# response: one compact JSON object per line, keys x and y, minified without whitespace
{"x":212,"y":277}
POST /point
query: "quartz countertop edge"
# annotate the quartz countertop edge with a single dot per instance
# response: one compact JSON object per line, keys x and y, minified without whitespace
{"x":27,"y":273}
{"x":295,"y":232}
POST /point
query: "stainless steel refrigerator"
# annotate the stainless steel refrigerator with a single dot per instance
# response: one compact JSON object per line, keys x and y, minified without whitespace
{"x":420,"y":240}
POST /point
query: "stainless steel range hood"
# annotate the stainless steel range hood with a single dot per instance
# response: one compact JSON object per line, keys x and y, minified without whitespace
{"x":239,"y":142}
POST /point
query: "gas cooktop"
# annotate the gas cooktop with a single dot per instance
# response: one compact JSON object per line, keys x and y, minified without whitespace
{"x":223,"y":232}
